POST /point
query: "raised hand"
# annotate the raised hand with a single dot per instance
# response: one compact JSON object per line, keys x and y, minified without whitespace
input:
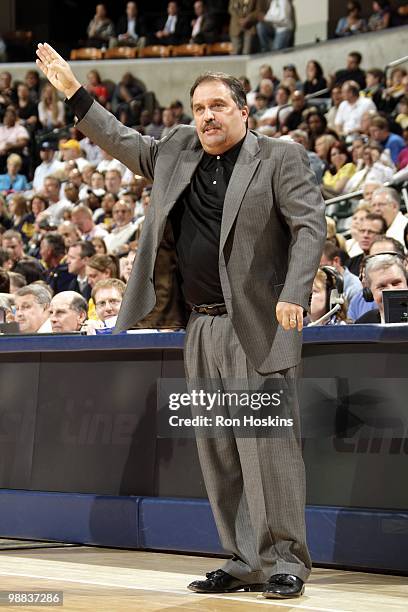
{"x":57,"y":70}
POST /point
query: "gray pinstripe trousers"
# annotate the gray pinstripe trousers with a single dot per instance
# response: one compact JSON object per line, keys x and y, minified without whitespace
{"x":256,"y":486}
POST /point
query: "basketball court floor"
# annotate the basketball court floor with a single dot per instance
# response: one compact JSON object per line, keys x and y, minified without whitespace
{"x":100,"y":579}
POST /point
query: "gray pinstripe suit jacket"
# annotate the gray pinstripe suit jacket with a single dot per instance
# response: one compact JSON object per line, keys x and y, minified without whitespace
{"x":272,"y":232}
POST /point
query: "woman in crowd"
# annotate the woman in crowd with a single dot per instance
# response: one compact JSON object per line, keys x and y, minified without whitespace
{"x":340,"y":171}
{"x":100,"y":246}
{"x":358,"y":217}
{"x":332,"y":235}
{"x":290,"y":72}
{"x":12,"y":180}
{"x":96,"y":88}
{"x":353,"y":22}
{"x":50,"y":109}
{"x":315,"y":79}
{"x":322,"y":147}
{"x":381,"y":16}
{"x":370,"y":168}
{"x":22,"y":219}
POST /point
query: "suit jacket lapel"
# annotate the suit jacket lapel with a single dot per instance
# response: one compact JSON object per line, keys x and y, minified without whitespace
{"x":242,"y":174}
{"x":186,"y":166}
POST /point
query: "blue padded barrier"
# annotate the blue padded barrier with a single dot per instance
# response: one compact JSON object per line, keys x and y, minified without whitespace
{"x":70,"y":517}
{"x":351,"y":538}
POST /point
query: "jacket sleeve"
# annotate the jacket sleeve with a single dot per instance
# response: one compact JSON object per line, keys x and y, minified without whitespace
{"x":137,"y":152}
{"x":301,"y":204}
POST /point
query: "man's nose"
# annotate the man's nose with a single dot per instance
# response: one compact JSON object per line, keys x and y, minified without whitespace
{"x":208,"y":114}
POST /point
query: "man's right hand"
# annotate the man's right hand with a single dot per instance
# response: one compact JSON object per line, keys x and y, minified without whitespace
{"x":57,"y":70}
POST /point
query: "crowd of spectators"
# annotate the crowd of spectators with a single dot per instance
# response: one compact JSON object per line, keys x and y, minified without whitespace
{"x":71,"y":215}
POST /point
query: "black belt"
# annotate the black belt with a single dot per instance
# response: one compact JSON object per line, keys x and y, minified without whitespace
{"x":209,"y":309}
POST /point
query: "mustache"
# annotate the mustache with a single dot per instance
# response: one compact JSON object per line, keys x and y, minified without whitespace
{"x":210,"y":125}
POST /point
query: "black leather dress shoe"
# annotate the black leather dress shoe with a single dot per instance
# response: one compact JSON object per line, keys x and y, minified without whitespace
{"x":283,"y":586}
{"x":221,"y":582}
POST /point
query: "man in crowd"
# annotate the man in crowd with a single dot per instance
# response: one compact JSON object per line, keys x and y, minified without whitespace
{"x":351,"y":110}
{"x":48,"y":165}
{"x":68,"y":312}
{"x":373,"y":225}
{"x":386,"y":202}
{"x":380,"y":131}
{"x":383,"y":272}
{"x":130,"y":29}
{"x":173,"y":29}
{"x":57,"y":205}
{"x":13,"y":137}
{"x":82,"y":217}
{"x":107,"y":296}
{"x":52,"y":251}
{"x":78,"y":257}
{"x":333,"y":256}
{"x":32,"y":309}
{"x":352,"y":72}
{"x":12,"y":242}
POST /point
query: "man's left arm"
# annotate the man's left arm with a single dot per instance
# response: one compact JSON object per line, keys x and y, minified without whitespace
{"x":301,"y":204}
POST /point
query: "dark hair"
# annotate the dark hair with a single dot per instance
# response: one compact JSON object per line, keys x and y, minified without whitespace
{"x":342,"y":147}
{"x":4,"y":256}
{"x":356,"y":5}
{"x":383,"y":4}
{"x":234,"y":85}
{"x":376,"y":217}
{"x":30,"y":269}
{"x":4,"y":282}
{"x":397,"y":246}
{"x":86,"y":246}
{"x":331,"y":251}
{"x":318,"y":68}
{"x":357,"y":56}
{"x":56,"y":242}
{"x":377,"y":73}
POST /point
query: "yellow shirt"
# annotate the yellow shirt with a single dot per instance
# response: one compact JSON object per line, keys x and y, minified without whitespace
{"x":346,"y":171}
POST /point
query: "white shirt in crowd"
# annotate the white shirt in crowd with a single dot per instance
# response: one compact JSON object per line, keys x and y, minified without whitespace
{"x":118,"y":237}
{"x":397,"y":227}
{"x":348,"y":117}
{"x":43,"y":170}
{"x":280,"y":14}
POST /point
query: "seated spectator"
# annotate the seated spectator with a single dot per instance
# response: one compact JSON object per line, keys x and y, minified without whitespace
{"x":315,"y":79}
{"x":33,"y":82}
{"x":123,"y":229}
{"x":382,"y":272}
{"x":316,"y":164}
{"x":126,"y":265}
{"x":381,"y":17}
{"x":7,"y":96}
{"x":128,"y":99}
{"x":353,"y":23}
{"x":243,"y":17}
{"x":375,"y":87}
{"x":12,"y":242}
{"x":37,"y":205}
{"x":337,"y":258}
{"x":13,"y":137}
{"x":370,"y":169}
{"x":17,"y":281}
{"x":290,"y":74}
{"x":23,"y":220}
{"x":368,"y":190}
{"x":99,"y":245}
{"x":172,"y":29}
{"x":7,"y":307}
{"x":103,"y":216}
{"x":331,"y":234}
{"x":352,"y":72}
{"x":340,"y":170}
{"x":71,"y":151}
{"x":4,"y":284}
{"x":267,"y":88}
{"x":96,"y":88}
{"x":320,"y":302}
{"x":373,"y":225}
{"x":52,"y":252}
{"x":402,"y":117}
{"x":32,"y":304}
{"x":49,"y":165}
{"x":359,"y":215}
{"x":296,"y":116}
{"x":275,"y":116}
{"x":169,"y":121}
{"x":68,"y":312}
{"x":51,"y":110}
{"x":260,"y":106}
{"x":31,"y":270}
{"x":130,"y":29}
{"x":82,"y":218}
{"x":57,"y":206}
{"x":349,"y":114}
{"x":323,"y":145}
{"x":180,"y":116}
{"x":203,"y":26}
{"x":78,"y":256}
{"x":108,"y":295}
{"x":69,"y":232}
{"x":100,"y":28}
{"x":386,"y":202}
{"x":109,"y":163}
{"x":336,"y":100}
{"x":101,"y":267}
{"x":380,"y":131}
{"x":155,"y":127}
{"x":13,"y":181}
{"x":276,"y":27}
{"x":26,"y":108}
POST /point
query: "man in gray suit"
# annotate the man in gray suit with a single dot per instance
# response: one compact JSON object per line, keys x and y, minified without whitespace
{"x":248,"y":224}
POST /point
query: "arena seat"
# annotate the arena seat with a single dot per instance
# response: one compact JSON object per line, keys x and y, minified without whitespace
{"x":220,"y":48}
{"x":190,"y":50}
{"x":156,"y":51}
{"x":121,"y":53}
{"x":86,"y":53}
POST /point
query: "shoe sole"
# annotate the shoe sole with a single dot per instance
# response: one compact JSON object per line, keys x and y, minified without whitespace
{"x":248,"y":589}
{"x":280,"y":596}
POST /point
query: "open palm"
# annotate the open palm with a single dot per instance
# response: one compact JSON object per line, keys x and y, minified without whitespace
{"x":56,"y":69}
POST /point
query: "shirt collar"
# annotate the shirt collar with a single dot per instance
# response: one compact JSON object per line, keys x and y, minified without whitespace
{"x":230,"y":156}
